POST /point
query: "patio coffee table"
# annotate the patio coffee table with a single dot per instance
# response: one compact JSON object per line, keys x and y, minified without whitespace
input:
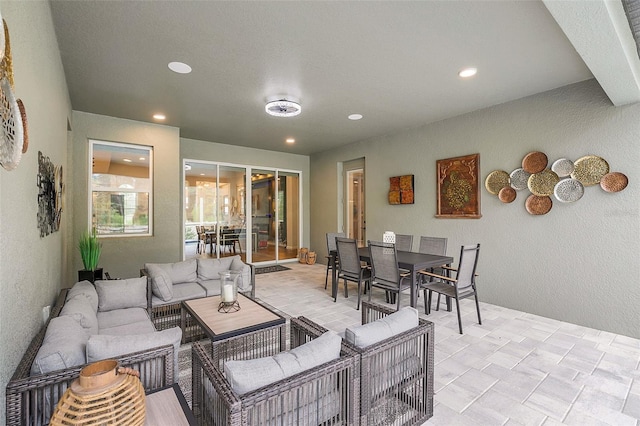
{"x":234,"y":335}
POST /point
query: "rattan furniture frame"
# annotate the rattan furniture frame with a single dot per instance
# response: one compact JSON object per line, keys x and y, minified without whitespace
{"x":388,"y":378}
{"x":215,"y":403}
{"x":30,"y":400}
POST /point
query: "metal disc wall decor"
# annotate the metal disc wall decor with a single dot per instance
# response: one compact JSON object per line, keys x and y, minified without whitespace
{"x":519,"y":178}
{"x":590,"y":169}
{"x":542,"y":183}
{"x":535,"y":162}
{"x":507,"y":194}
{"x":496,"y":180}
{"x":568,"y":190}
{"x":563,"y":167}
{"x":614,"y":182}
{"x":537,"y":205}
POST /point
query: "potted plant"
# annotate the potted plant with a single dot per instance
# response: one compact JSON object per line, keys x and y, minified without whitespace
{"x":90,"y":249}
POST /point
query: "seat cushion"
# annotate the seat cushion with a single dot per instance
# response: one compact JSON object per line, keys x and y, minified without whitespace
{"x":211,"y":286}
{"x":376,"y":331}
{"x":87,"y":289}
{"x":121,"y":294}
{"x":119,"y":317}
{"x":208,"y":269}
{"x":182,"y":291}
{"x":80,"y":308}
{"x":245,"y":376}
{"x":63,"y":346}
{"x":138,"y":327}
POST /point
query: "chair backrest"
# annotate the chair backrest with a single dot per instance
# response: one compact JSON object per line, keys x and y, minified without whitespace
{"x":348,"y":257}
{"x":404,"y":242}
{"x":467,"y":267}
{"x":433,"y":245}
{"x":384,"y":262}
{"x":331,"y":240}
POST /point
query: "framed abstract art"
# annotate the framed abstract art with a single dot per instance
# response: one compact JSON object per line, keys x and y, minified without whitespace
{"x":458,"y":189}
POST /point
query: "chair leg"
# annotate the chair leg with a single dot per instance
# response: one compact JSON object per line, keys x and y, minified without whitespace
{"x":346,"y":291}
{"x":398,"y":296}
{"x":326,"y":279}
{"x":458,"y":312}
{"x":359,"y":293}
{"x":478,"y":308}
{"x":427,"y":301}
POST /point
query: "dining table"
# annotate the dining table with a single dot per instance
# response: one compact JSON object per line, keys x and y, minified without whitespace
{"x":408,"y":260}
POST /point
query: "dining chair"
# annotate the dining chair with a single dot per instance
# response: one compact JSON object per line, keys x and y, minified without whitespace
{"x":460,"y":287}
{"x":433,"y":245}
{"x":349,"y":266}
{"x":331,"y":246}
{"x":385,"y":273}
{"x":404,"y":242}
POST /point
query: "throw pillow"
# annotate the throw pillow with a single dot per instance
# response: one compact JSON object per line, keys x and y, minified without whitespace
{"x":237,"y":265}
{"x":63,"y":346}
{"x":377,"y":331}
{"x":84,"y":288}
{"x":81,"y":310}
{"x":120,"y":294}
{"x":161,"y":284}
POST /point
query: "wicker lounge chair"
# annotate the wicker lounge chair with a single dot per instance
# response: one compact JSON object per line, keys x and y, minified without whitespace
{"x":396,"y":374}
{"x":326,"y":394}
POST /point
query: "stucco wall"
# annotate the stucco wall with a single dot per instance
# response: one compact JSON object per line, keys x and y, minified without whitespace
{"x":123,"y":257}
{"x":210,"y":151}
{"x":579,"y":263}
{"x":30,"y":266}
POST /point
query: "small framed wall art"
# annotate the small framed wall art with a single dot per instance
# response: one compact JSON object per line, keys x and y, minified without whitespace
{"x":458,"y":189}
{"x":401,"y":189}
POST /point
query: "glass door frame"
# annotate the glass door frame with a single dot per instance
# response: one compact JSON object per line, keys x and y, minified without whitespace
{"x":248,"y":207}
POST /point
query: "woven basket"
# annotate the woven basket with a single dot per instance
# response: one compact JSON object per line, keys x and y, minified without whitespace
{"x":302,"y":255}
{"x":311,"y":258}
{"x":103,"y":394}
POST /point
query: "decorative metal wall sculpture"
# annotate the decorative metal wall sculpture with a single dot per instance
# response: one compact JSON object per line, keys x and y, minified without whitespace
{"x":458,"y":189}
{"x":565,"y":180}
{"x":50,"y":191}
{"x":401,"y":189}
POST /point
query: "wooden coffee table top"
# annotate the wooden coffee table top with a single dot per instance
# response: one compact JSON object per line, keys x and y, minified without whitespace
{"x":168,"y":407}
{"x":219,"y":325}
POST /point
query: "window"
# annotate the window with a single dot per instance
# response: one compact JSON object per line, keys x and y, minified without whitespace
{"x":121,"y":189}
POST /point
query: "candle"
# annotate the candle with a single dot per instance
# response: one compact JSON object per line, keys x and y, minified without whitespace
{"x":227,"y":293}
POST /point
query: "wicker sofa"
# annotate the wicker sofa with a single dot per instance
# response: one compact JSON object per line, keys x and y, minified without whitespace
{"x":32,"y":392}
{"x":293,"y":391}
{"x":168,"y":284}
{"x":401,"y":393}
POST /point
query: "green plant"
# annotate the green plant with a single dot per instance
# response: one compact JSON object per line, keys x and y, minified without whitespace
{"x":90,"y":249}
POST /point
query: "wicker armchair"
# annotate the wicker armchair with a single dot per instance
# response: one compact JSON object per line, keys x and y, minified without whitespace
{"x":396,"y":374}
{"x":30,"y":400}
{"x":328,"y":392}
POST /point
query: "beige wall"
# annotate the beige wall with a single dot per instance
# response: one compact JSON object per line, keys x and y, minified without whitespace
{"x":124,"y":256}
{"x":579,"y":263}
{"x":31,"y":267}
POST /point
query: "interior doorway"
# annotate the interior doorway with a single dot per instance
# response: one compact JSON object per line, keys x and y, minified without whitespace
{"x":354,"y":191}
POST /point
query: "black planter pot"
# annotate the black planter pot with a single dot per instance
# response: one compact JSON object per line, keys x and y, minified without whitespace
{"x":92,"y":276}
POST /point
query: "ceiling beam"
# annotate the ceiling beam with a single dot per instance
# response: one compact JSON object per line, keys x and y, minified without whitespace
{"x":600,"y":32}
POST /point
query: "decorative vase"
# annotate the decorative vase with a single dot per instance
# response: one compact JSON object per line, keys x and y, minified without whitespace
{"x":103,"y":394}
{"x":229,"y":291}
{"x":92,"y":276}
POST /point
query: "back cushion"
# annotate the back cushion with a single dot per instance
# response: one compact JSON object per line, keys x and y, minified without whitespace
{"x":376,"y":331}
{"x":63,"y":346}
{"x":80,"y":308}
{"x":120,"y":294}
{"x":239,"y":266}
{"x":208,"y":268}
{"x":161,"y":284}
{"x":86,"y":289}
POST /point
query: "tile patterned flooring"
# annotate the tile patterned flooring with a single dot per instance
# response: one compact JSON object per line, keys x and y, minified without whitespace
{"x":514,"y":369}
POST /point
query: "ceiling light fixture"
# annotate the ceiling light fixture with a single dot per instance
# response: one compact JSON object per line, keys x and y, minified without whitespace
{"x":159,"y":116}
{"x":283,"y":108}
{"x":179,"y":67}
{"x":355,"y":117}
{"x":126,"y":160}
{"x":468,"y":72}
{"x":290,"y":140}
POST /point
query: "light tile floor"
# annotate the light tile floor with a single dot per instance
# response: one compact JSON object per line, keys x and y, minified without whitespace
{"x":515,"y":368}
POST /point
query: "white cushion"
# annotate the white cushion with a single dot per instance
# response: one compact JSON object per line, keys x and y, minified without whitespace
{"x":80,"y":308}
{"x":248,"y":375}
{"x":161,"y":284}
{"x":122,"y":294}
{"x":376,"y":331}
{"x":208,"y":269}
{"x":63,"y":346}
{"x":84,"y":288}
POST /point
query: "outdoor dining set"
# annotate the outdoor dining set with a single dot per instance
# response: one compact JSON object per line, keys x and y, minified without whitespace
{"x":395,"y":268}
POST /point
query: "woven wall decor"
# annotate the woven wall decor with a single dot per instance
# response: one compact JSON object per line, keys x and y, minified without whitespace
{"x":565,"y":180}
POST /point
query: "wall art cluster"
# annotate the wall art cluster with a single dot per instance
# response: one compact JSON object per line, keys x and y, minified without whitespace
{"x":50,"y":189}
{"x":458,"y":189}
{"x":565,"y":180}
{"x":401,"y":189}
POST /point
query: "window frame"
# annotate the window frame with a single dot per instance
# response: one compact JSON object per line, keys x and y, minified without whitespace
{"x":90,"y":221}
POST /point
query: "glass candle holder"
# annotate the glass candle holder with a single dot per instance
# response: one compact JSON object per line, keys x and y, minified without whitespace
{"x":229,"y":291}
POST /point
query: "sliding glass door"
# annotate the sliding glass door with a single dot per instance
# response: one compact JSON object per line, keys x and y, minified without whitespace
{"x":258,"y":218}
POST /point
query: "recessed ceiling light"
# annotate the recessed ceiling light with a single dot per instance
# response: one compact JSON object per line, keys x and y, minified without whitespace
{"x":201,"y":174}
{"x":179,"y":67}
{"x":355,"y":117}
{"x":283,"y":108}
{"x":126,"y":160}
{"x":141,"y":158}
{"x":290,"y":140}
{"x":159,"y":116}
{"x":468,"y":72}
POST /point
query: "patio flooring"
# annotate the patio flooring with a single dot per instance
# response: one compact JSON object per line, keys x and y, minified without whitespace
{"x":515,"y":368}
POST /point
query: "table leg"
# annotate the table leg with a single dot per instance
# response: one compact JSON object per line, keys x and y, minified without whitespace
{"x":414,"y":287}
{"x":334,"y":277}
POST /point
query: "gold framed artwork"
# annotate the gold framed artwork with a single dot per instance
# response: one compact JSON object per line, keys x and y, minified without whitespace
{"x":401,"y":189}
{"x":458,"y":188}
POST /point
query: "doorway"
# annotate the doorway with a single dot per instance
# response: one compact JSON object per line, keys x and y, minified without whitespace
{"x":354,"y":191}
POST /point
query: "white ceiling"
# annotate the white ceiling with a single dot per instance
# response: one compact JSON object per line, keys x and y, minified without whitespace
{"x":394,"y":62}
